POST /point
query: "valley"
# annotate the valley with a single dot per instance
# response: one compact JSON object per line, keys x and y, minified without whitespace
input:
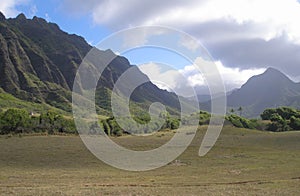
{"x":257,"y":153}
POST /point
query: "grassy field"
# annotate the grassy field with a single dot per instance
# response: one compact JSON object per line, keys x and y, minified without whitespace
{"x":243,"y":162}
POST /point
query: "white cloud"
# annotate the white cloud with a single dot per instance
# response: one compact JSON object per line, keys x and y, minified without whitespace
{"x":277,"y":17}
{"x":165,"y":77}
{"x":8,"y":7}
{"x":190,"y":76}
{"x":244,"y":34}
{"x":235,"y":77}
{"x":139,"y":37}
{"x":232,"y":77}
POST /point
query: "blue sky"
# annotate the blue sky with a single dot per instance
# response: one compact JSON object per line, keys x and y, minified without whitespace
{"x":53,"y":11}
{"x":83,"y":25}
{"x":149,"y":54}
{"x":243,"y":37}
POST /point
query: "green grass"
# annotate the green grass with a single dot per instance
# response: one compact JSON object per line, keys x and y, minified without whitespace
{"x":243,"y":162}
{"x":9,"y":101}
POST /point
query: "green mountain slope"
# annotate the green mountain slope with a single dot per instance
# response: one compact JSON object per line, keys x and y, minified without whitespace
{"x":38,"y":63}
{"x":9,"y":101}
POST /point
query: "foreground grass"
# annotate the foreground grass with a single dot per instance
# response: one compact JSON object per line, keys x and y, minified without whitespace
{"x":242,"y":162}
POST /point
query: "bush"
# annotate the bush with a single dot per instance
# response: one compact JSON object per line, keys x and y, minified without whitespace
{"x":295,"y":123}
{"x":241,"y":122}
{"x":19,"y":121}
{"x":266,"y":115}
{"x":14,"y":120}
{"x":284,"y":112}
{"x":106,"y":128}
{"x":235,"y":120}
{"x":115,"y":129}
{"x":278,"y":127}
{"x":174,"y":124}
{"x":283,"y":119}
{"x":204,"y":118}
{"x":111,"y":127}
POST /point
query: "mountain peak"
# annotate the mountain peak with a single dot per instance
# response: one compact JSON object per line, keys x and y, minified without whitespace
{"x":21,"y":17}
{"x":39,"y":20}
{"x":272,"y":70}
{"x":269,"y":89}
{"x":272,"y":74}
{"x":2,"y":17}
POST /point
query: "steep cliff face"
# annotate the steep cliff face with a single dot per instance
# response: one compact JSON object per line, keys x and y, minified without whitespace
{"x":38,"y":62}
{"x":29,"y":68}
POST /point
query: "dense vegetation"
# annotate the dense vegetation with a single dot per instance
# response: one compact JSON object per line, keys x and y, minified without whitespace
{"x":111,"y":127}
{"x":241,"y":122}
{"x":16,"y":121}
{"x":21,"y":121}
{"x":282,"y":119}
{"x":273,"y":119}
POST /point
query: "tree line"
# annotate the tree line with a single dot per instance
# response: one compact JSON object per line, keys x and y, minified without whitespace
{"x":282,"y":119}
{"x":21,"y":121}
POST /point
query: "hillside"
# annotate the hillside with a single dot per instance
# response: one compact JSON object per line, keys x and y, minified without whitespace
{"x":271,"y":89}
{"x":38,"y":63}
{"x":268,"y":90}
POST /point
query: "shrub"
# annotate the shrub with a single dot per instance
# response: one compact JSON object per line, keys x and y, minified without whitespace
{"x":295,"y":123}
{"x":283,"y":119}
{"x":204,"y":118}
{"x":14,"y":120}
{"x":266,"y":115}
{"x":241,"y":122}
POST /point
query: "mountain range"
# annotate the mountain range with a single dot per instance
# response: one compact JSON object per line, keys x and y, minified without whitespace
{"x":39,"y":61}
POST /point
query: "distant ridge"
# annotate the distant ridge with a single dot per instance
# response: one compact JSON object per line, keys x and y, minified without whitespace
{"x":270,"y":89}
{"x":267,"y":90}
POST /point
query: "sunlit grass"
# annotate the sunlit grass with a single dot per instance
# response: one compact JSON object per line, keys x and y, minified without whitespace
{"x":243,"y":162}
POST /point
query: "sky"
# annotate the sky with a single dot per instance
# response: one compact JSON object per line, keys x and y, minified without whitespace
{"x":243,"y":37}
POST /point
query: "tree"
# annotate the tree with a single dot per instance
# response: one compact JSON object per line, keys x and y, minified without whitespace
{"x":50,"y":117}
{"x":295,"y":123}
{"x":204,"y":118}
{"x":51,"y":121}
{"x":240,"y":110}
{"x":266,"y":115}
{"x":232,"y":110}
{"x":106,"y":127}
{"x":241,"y":122}
{"x":175,"y":123}
{"x":14,"y":120}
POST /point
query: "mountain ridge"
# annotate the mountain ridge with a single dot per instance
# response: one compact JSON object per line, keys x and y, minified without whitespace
{"x":39,"y":62}
{"x":267,"y":90}
{"x":270,"y":89}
